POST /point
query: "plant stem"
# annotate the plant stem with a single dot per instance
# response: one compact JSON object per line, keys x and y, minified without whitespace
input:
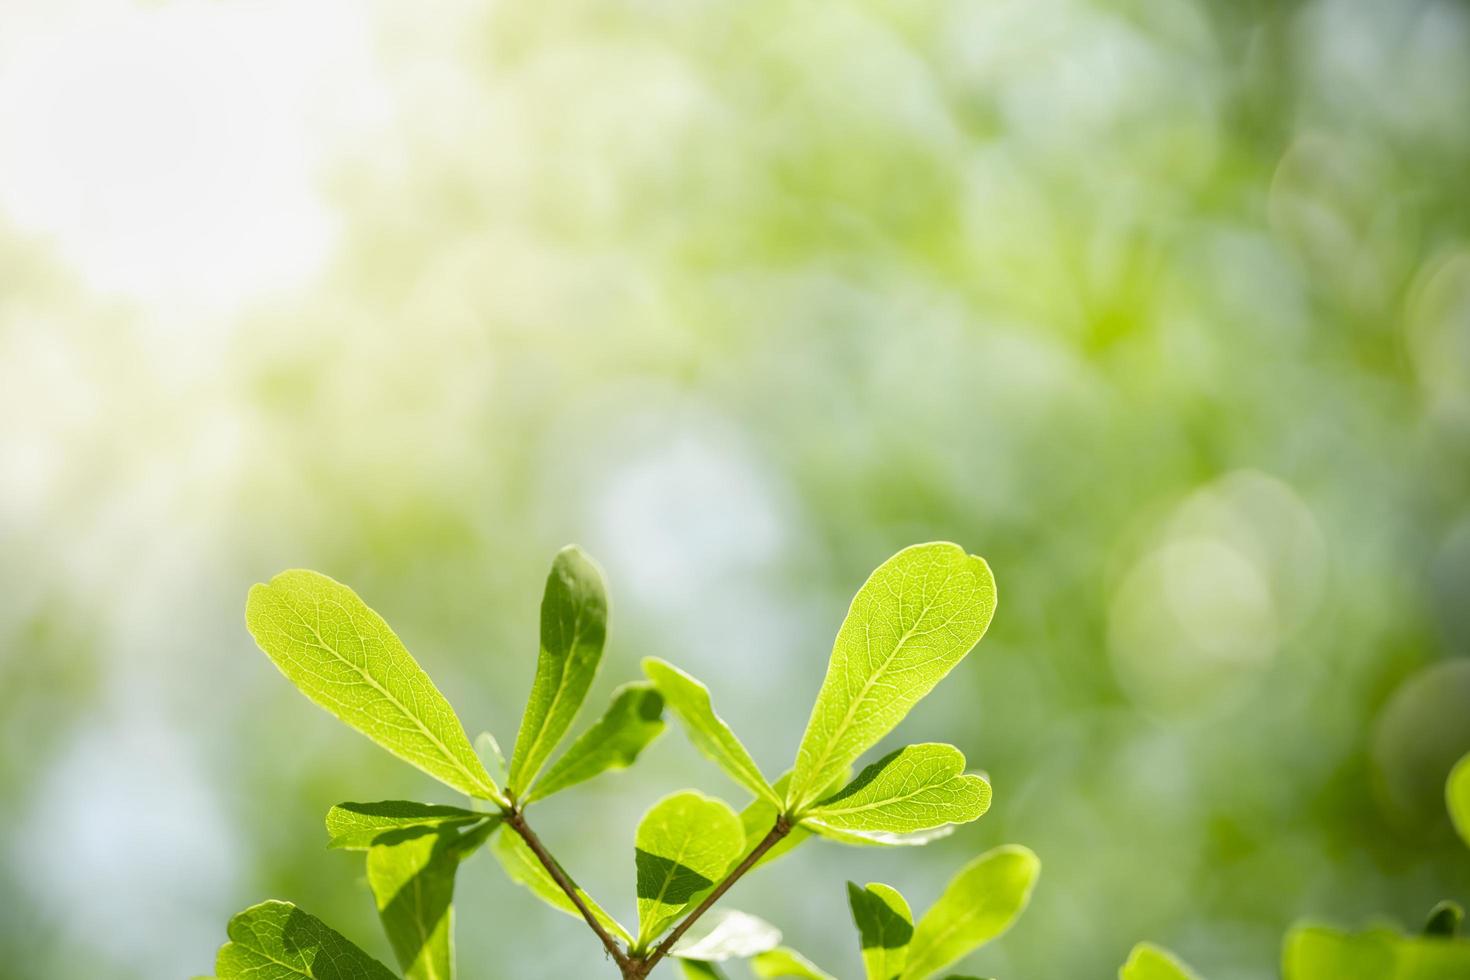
{"x":517,"y":822}
{"x":642,"y":967}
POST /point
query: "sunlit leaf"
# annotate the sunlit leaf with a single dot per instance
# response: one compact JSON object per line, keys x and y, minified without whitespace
{"x":700,"y":970}
{"x":919,"y":787}
{"x":1150,"y":962}
{"x":724,"y":934}
{"x":412,"y":879}
{"x":344,"y":657}
{"x":1321,"y":953}
{"x":787,"y":962}
{"x":632,"y":721}
{"x":278,"y":941}
{"x":522,"y":867}
{"x":979,"y":904}
{"x":356,"y":826}
{"x":690,"y":701}
{"x":573,"y":627}
{"x":685,"y":843}
{"x":877,"y":838}
{"x":1457,"y":795}
{"x":914,"y":619}
{"x":885,"y":926}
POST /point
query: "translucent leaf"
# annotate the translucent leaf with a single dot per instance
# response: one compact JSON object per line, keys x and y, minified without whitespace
{"x":411,"y":874}
{"x":1457,"y":795}
{"x":685,"y":844}
{"x":877,"y":838}
{"x":919,"y":787}
{"x":690,"y":701}
{"x":356,"y":826}
{"x":278,"y":941}
{"x":914,"y":619}
{"x":344,"y":657}
{"x":1150,"y":962}
{"x":724,"y":934}
{"x":885,"y":926}
{"x":979,"y":904}
{"x":522,"y":866}
{"x":573,"y":628}
{"x":632,"y":721}
{"x":787,"y":962}
{"x":700,"y":970}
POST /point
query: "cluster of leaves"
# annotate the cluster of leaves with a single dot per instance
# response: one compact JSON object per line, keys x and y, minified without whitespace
{"x":914,"y":619}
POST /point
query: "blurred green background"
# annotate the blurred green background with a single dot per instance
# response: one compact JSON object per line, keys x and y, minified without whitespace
{"x":1162,"y":306}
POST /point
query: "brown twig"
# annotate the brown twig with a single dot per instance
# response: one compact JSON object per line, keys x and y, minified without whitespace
{"x":642,"y":967}
{"x":517,"y":822}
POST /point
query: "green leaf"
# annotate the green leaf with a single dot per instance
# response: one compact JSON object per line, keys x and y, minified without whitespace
{"x":1457,"y":796}
{"x":1444,"y":920}
{"x":685,"y":843}
{"x":411,"y":873}
{"x":573,"y":627}
{"x":690,"y":700}
{"x":700,"y":970}
{"x":357,"y":826}
{"x":344,"y":657}
{"x":979,"y":904}
{"x":1150,"y":962}
{"x":885,"y":926}
{"x":632,"y":721}
{"x":724,"y":934}
{"x":914,"y":619}
{"x":1321,"y":953}
{"x":522,"y":867}
{"x":877,"y":838}
{"x":919,"y":787}
{"x":278,"y":941}
{"x":787,"y":962}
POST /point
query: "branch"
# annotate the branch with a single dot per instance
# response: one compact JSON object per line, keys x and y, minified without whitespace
{"x":517,"y":822}
{"x":780,"y":829}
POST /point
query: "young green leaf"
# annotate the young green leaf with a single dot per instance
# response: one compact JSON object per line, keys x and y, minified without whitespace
{"x":914,"y":619}
{"x":412,"y":879}
{"x":344,"y":657}
{"x":278,"y":941}
{"x":522,"y":867}
{"x":979,"y":904}
{"x":633,"y":720}
{"x":357,"y":826}
{"x":725,"y":934}
{"x":573,"y":627}
{"x":1444,"y":920}
{"x":700,"y":970}
{"x":919,"y":787}
{"x":1457,"y":795}
{"x":685,"y":843}
{"x":787,"y":962}
{"x":690,"y":700}
{"x":1150,"y":962}
{"x":885,"y":926}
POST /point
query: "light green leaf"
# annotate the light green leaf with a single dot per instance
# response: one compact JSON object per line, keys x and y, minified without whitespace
{"x":632,"y":721}
{"x":919,"y":787}
{"x":573,"y":627}
{"x":344,"y":657}
{"x":1150,"y":962}
{"x":724,"y":934}
{"x":278,"y":941}
{"x":787,"y":962}
{"x":885,"y":926}
{"x":979,"y":904}
{"x":412,"y":879}
{"x":700,"y":970}
{"x":685,"y":843}
{"x":916,"y":617}
{"x":1457,"y":796}
{"x":522,"y":867}
{"x":356,"y":826}
{"x":877,"y":838}
{"x":690,"y":700}
{"x":1322,"y":953}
